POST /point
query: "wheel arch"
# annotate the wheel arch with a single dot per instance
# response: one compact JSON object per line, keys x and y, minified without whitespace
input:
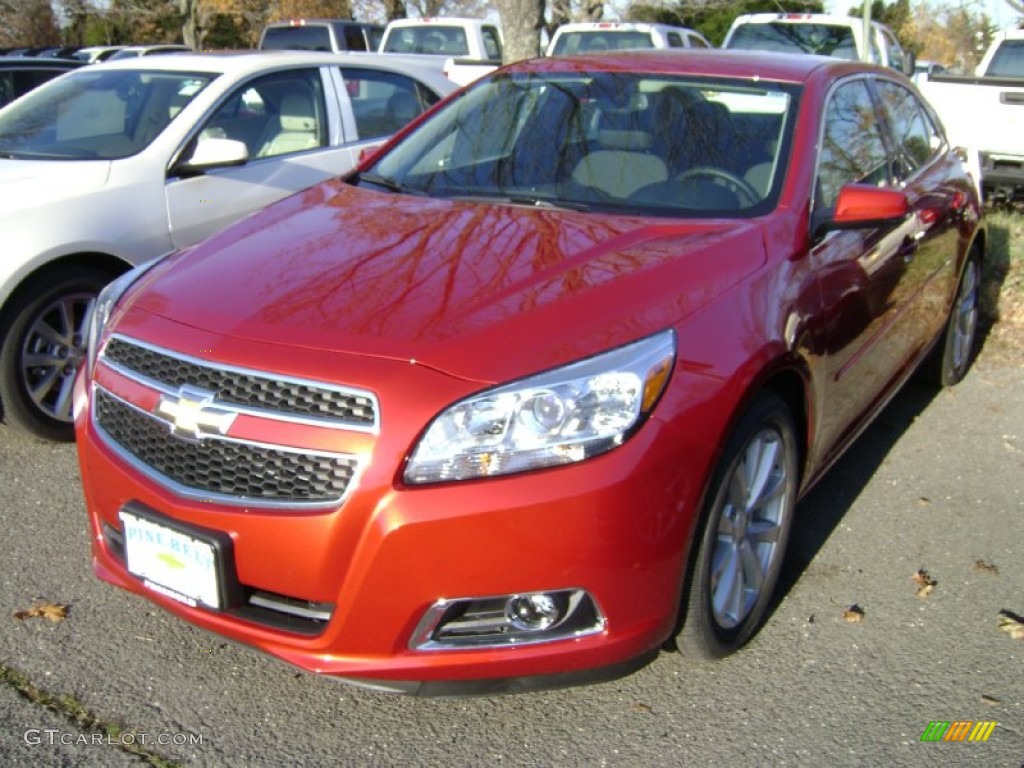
{"x":787,"y":379}
{"x":791,"y":387}
{"x":104,"y":262}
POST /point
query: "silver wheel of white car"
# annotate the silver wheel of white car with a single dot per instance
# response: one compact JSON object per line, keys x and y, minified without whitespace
{"x":42,"y":349}
{"x":748,"y":516}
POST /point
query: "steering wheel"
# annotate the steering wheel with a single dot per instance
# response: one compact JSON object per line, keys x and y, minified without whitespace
{"x":747,"y":194}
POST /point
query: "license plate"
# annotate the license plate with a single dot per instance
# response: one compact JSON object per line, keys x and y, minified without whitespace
{"x":170,"y":562}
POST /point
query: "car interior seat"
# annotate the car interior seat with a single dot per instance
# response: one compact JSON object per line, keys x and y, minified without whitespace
{"x":296,"y":128}
{"x":401,"y":108}
{"x":622,"y":165}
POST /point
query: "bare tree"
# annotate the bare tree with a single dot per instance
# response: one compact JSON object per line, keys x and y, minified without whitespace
{"x":521,"y":24}
{"x":28,"y":23}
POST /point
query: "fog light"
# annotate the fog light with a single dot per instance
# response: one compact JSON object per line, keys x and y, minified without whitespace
{"x":533,"y":612}
{"x":518,"y":619}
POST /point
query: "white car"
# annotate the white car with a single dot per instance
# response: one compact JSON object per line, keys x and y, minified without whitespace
{"x":113,"y":165}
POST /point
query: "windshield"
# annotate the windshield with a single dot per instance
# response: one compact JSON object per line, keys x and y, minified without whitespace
{"x":822,"y":39}
{"x":96,"y":113}
{"x":601,"y":40}
{"x":304,"y":38}
{"x":605,"y":141}
{"x":1008,"y":60}
{"x":432,"y":38}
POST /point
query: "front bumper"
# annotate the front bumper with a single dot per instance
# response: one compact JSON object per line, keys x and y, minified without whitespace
{"x":1002,"y":173}
{"x":617,"y":526}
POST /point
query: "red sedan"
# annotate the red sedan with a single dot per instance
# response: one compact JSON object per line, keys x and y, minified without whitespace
{"x":536,"y":389}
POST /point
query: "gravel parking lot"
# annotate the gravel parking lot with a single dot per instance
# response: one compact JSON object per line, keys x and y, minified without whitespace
{"x":933,"y":485}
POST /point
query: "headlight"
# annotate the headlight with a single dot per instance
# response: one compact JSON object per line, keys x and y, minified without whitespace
{"x":558,"y":417}
{"x":104,"y":307}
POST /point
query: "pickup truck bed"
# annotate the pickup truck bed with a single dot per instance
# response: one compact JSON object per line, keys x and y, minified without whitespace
{"x":985,"y":115}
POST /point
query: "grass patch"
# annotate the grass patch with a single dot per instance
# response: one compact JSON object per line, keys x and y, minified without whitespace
{"x":1002,"y":289}
{"x":72,"y":710}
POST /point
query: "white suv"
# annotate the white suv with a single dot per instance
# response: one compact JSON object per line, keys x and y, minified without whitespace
{"x":817,"y":33}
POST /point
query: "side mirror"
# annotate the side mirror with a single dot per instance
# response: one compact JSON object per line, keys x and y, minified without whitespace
{"x":864,"y":206}
{"x":214,"y":153}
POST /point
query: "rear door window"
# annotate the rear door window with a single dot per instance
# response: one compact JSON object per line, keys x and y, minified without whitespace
{"x":383,"y":102}
{"x":915,"y":137}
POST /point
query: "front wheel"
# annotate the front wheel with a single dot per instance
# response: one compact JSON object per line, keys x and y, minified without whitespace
{"x":43,"y":347}
{"x":748,"y":515}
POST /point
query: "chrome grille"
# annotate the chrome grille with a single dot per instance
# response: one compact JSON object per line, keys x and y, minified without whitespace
{"x":222,"y":469}
{"x":244,"y":388}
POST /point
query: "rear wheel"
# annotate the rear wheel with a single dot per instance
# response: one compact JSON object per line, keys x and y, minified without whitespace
{"x":748,"y":515}
{"x":951,"y":359}
{"x":43,"y":347}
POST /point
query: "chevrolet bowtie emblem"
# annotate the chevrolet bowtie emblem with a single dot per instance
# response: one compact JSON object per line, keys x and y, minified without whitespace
{"x":191,"y":413}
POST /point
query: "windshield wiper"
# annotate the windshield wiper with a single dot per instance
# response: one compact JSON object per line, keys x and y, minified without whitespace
{"x":381,"y":181}
{"x":527,"y":200}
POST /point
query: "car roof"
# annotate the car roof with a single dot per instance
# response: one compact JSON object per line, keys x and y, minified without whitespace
{"x":318,"y":20}
{"x":420,"y":21}
{"x":702,"y":62}
{"x":796,"y":17}
{"x":34,"y":62}
{"x":586,"y":26}
{"x":246,"y":62}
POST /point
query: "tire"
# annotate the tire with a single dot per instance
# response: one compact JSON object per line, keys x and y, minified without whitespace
{"x":952,"y":357}
{"x":747,"y":518}
{"x":42,"y":347}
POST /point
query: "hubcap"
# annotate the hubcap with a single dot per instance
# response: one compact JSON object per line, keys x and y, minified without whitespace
{"x":966,"y":316}
{"x":749,"y":525}
{"x":53,"y":351}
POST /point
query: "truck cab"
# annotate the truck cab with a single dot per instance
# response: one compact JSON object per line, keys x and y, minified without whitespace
{"x":818,"y":33}
{"x":445,"y":36}
{"x":589,"y":36}
{"x":332,"y":35}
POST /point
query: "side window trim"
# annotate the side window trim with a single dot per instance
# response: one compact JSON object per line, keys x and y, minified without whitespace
{"x":816,"y":204}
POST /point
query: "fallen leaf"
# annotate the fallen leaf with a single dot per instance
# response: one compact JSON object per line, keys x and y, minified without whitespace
{"x":854,"y":613}
{"x":1012,"y":624}
{"x":990,"y":700}
{"x":47,"y":610}
{"x":925,"y":583}
{"x":641,"y":707}
{"x":923,"y":501}
{"x":983,"y":565}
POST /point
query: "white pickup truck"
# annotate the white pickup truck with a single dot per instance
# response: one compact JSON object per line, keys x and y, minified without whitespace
{"x":466,"y":48}
{"x":985,"y":114}
{"x":591,"y":36}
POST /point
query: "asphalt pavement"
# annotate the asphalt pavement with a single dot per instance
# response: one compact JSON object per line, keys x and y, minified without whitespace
{"x":935,"y":485}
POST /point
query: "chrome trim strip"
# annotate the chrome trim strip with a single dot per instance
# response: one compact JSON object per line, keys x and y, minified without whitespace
{"x":260,"y":600}
{"x":311,"y":421}
{"x":420,"y":640}
{"x":236,"y":501}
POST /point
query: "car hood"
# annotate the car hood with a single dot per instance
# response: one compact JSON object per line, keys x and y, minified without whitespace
{"x":27,"y":184}
{"x":475,"y":290}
